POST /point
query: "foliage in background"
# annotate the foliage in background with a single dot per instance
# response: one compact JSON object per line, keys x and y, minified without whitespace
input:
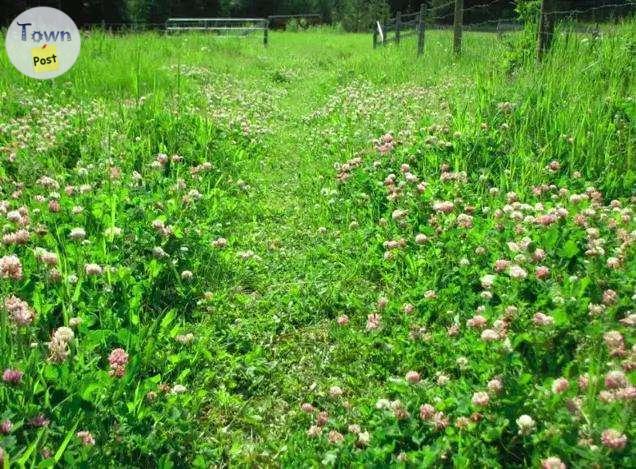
{"x":522,"y":46}
{"x":355,"y":15}
{"x":359,"y":15}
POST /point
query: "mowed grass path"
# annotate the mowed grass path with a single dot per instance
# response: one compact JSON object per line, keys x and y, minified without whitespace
{"x":270,"y":324}
{"x":274,"y":121}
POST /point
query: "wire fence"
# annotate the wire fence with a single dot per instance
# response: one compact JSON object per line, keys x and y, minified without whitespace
{"x":620,"y":10}
{"x":437,"y":17}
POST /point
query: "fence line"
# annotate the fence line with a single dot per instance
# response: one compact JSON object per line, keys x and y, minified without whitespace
{"x":439,"y":7}
{"x":272,"y":20}
{"x":548,"y":18}
{"x":502,"y":25}
{"x":400,"y":29}
{"x":600,"y":7}
{"x":554,"y":12}
{"x":408,"y":24}
{"x":227,"y":26}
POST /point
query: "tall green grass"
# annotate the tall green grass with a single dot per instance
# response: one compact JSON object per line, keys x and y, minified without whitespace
{"x":310,"y":100}
{"x":583,"y":90}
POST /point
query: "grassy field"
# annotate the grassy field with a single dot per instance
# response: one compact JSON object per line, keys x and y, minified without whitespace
{"x":317,"y":253}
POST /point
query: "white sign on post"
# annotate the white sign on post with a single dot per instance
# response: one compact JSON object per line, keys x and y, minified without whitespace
{"x":380,"y":31}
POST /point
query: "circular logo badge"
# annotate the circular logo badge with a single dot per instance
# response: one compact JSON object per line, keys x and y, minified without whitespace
{"x":43,"y":42}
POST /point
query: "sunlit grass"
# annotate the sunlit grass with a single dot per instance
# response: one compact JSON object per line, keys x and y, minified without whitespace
{"x":266,"y":312}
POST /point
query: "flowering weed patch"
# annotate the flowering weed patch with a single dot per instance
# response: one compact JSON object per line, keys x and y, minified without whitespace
{"x":319,"y":254}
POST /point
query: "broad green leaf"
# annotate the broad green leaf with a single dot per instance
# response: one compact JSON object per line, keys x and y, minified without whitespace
{"x":569,"y":249}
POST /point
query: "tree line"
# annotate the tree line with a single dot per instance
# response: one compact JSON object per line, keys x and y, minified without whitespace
{"x":352,"y":15}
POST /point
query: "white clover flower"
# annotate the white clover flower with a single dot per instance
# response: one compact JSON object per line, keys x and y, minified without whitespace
{"x":526,"y":424}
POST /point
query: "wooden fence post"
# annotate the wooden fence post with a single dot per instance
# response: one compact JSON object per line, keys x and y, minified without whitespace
{"x":385,"y":31}
{"x":457,"y":26}
{"x":398,"y":21}
{"x":546,"y":28}
{"x":420,"y":30}
{"x":265,"y":31}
